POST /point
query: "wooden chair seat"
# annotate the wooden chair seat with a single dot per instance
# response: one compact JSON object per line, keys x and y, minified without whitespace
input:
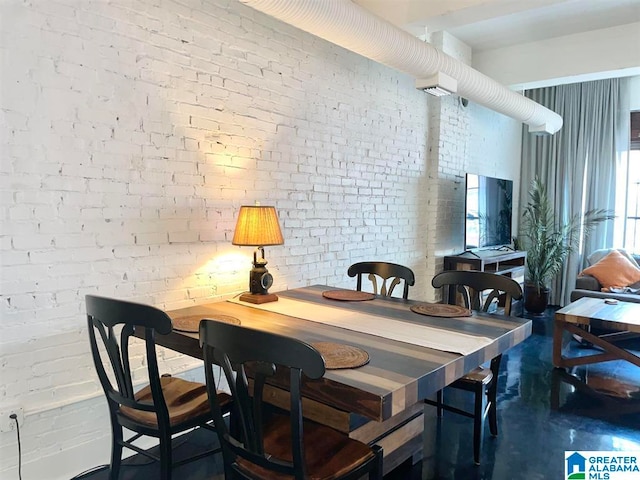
{"x":329,"y":453}
{"x":480,"y":374}
{"x":185,"y":400}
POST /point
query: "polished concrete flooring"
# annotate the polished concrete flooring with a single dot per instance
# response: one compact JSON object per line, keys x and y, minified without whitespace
{"x":542,"y":412}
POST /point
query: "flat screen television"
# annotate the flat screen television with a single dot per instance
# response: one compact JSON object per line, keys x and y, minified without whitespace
{"x":488,"y":208}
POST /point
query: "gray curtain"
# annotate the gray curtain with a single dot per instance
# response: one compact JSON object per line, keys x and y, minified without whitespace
{"x":578,"y":164}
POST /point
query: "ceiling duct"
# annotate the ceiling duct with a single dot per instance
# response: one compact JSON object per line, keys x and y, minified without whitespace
{"x":352,"y":27}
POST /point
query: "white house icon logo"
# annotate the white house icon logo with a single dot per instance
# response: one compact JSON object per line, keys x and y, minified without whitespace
{"x":575,"y":466}
{"x":602,"y":465}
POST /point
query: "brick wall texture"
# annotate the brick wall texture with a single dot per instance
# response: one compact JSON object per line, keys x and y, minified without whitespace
{"x":132,"y":132}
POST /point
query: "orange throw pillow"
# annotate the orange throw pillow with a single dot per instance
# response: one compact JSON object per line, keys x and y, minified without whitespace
{"x":613,"y":271}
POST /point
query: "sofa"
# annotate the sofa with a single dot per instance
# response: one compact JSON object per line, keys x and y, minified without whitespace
{"x":589,"y":286}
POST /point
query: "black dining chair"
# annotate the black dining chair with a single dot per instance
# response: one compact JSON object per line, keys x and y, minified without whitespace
{"x":166,"y":406}
{"x":478,"y":291}
{"x":385,"y":271}
{"x":267,"y":444}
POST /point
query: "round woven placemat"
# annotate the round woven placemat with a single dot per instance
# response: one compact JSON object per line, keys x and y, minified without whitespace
{"x":441,"y":310}
{"x":338,"y":355}
{"x":191,"y":323}
{"x":348,"y":295}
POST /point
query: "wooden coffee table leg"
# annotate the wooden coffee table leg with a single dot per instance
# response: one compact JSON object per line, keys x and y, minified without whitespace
{"x":558,"y":329}
{"x":610,"y":351}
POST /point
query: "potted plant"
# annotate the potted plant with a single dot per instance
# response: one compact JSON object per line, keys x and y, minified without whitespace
{"x":548,"y":243}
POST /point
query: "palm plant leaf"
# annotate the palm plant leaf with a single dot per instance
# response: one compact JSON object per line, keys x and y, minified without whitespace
{"x":549,"y":242}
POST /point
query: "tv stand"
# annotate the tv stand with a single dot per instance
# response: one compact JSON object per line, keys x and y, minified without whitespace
{"x":468,"y":252}
{"x":510,"y":263}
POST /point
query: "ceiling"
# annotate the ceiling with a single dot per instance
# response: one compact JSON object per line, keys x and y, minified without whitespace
{"x":490,"y":24}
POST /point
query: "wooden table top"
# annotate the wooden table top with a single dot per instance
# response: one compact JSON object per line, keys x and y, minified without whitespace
{"x":398,"y":374}
{"x":622,"y":316}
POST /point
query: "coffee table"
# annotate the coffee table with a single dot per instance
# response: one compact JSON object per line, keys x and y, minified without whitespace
{"x":621,"y":318}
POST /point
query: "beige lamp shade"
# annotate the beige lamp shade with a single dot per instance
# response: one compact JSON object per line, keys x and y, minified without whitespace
{"x":257,"y":226}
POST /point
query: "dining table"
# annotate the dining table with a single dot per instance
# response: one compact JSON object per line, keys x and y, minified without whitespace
{"x":404,"y":352}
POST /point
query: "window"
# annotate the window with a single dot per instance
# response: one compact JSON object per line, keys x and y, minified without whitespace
{"x":631,"y":208}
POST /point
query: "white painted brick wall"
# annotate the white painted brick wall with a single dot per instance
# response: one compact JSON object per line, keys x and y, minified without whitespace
{"x":131,"y":135}
{"x":463,"y":140}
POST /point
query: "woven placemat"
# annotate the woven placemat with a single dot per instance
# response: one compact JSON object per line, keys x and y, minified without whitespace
{"x":348,"y":295}
{"x":339,"y":355}
{"x":441,"y":310}
{"x":191,"y":323}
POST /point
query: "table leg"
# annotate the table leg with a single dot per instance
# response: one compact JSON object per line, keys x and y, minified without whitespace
{"x":610,"y":351}
{"x":556,"y":382}
{"x":558,"y":330}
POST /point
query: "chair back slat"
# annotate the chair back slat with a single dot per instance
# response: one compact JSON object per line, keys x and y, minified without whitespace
{"x":474,"y":284}
{"x":384,"y":271}
{"x":243,"y":352}
{"x":113,"y":353}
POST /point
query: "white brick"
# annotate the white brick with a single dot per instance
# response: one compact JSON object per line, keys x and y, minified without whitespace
{"x":134,"y":135}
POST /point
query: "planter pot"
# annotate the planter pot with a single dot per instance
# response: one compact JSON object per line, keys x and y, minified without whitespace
{"x":535,"y":301}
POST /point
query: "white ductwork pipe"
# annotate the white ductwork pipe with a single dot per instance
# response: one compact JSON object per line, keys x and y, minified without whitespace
{"x":350,"y":26}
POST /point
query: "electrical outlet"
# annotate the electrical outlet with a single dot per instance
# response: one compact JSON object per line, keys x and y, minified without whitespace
{"x":8,"y":424}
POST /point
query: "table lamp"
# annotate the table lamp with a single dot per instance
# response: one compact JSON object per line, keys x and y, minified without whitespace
{"x":258,"y":227}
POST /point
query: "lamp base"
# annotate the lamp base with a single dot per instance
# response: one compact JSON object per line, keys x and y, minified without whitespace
{"x":258,"y":297}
